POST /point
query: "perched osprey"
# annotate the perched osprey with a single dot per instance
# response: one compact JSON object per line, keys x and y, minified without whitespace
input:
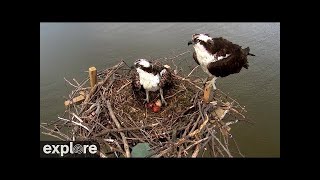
{"x":218,"y":57}
{"x":150,"y":78}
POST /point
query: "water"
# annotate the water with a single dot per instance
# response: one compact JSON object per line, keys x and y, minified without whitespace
{"x":69,"y":49}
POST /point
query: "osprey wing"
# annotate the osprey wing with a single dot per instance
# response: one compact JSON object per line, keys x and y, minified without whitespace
{"x":165,"y":78}
{"x":195,"y":58}
{"x":136,"y":85}
{"x":228,"y":63}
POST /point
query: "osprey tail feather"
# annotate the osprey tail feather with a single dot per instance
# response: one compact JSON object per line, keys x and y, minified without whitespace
{"x":247,"y":50}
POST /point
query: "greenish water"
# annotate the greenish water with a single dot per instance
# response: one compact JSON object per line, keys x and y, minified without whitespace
{"x":68,"y":49}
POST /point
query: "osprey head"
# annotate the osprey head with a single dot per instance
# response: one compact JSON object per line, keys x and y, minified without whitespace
{"x":142,"y":63}
{"x":196,"y":38}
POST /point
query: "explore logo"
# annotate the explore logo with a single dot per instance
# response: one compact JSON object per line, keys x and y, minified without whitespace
{"x":69,"y":149}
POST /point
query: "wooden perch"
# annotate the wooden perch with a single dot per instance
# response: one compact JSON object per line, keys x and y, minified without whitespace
{"x":93,"y":76}
{"x":207,"y":92}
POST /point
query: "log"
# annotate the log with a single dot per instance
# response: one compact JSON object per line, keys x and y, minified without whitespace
{"x":77,"y":100}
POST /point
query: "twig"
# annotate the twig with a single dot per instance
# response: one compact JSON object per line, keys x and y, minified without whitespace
{"x":179,"y":152}
{"x":237,"y":147}
{"x":189,"y":81}
{"x":119,"y":149}
{"x":136,"y":136}
{"x":174,"y":94}
{"x":178,"y":55}
{"x":196,"y":151}
{"x":123,"y":86}
{"x":70,"y":83}
{"x":124,"y":129}
{"x":52,"y":131}
{"x":76,"y":81}
{"x":88,"y":98}
{"x":195,"y":143}
{"x":187,"y":128}
{"x":113,"y":117}
{"x":77,"y":117}
{"x":200,"y":110}
{"x":102,"y":155}
{"x":221,"y":144}
{"x":200,"y":128}
{"x":195,"y":124}
{"x":231,"y":99}
{"x":165,"y":58}
{"x":219,"y":150}
{"x":193,"y":70}
{"x":79,"y":124}
{"x":164,"y":152}
{"x":49,"y":134}
{"x":212,"y":146}
{"x":234,"y":110}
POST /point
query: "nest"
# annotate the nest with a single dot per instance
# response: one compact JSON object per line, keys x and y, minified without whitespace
{"x":116,"y":117}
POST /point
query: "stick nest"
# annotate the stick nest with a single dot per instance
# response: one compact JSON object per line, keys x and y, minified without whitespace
{"x":115,"y":116}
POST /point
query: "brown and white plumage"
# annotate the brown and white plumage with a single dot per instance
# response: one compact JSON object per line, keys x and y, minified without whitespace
{"x":218,"y":57}
{"x":148,"y":77}
{"x":135,"y":81}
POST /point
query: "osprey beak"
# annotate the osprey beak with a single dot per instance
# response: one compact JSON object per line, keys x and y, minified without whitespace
{"x":190,"y":42}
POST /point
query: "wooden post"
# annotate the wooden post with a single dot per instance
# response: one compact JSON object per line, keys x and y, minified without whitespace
{"x":93,"y":76}
{"x":207,"y":92}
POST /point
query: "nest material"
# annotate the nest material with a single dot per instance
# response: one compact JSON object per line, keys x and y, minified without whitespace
{"x":116,"y":117}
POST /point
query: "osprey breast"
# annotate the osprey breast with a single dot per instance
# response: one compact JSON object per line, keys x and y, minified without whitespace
{"x":204,"y":57}
{"x":149,"y":81}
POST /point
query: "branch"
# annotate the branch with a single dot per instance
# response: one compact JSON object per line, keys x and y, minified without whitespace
{"x":189,"y":81}
{"x":70,"y":83}
{"x":124,"y":129}
{"x":174,"y":94}
{"x":113,"y":117}
{"x":123,"y":86}
{"x":77,"y":117}
{"x":195,"y":153}
{"x":195,"y":143}
{"x":193,"y":70}
{"x":79,"y":124}
{"x":52,"y":131}
{"x":221,"y":144}
{"x":49,"y":134}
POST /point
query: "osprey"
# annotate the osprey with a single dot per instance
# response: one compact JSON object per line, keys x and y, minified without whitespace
{"x":218,"y":57}
{"x":150,"y":78}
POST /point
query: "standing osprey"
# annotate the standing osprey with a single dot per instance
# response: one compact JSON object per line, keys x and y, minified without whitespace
{"x":218,"y":57}
{"x":150,"y":78}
